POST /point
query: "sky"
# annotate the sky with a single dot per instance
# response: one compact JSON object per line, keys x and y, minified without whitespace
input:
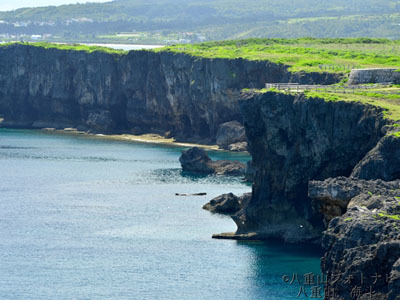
{"x":14,"y":4}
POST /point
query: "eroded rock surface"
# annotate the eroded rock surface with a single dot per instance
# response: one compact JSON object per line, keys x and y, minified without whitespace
{"x":332,"y":196}
{"x":293,"y":140}
{"x":196,"y":160}
{"x":224,"y":204}
{"x":382,"y":162}
{"x":364,"y":243}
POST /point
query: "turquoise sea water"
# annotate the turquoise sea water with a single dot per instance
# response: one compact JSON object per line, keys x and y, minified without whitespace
{"x":88,"y":218}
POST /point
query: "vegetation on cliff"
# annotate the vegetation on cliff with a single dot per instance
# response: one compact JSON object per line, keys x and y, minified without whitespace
{"x":387,"y":98}
{"x":75,"y":47}
{"x":211,"y":20}
{"x":303,"y":54}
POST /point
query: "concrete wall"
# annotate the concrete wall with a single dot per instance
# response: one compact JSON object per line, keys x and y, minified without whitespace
{"x":362,"y":76}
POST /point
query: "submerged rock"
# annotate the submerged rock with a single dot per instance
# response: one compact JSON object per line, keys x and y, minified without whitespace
{"x":228,"y":167}
{"x":196,"y":160}
{"x":362,"y":247}
{"x":227,"y":203}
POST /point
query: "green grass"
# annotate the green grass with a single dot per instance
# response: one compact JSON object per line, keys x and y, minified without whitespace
{"x":386,"y":98}
{"x":396,"y":134}
{"x":304,"y":54}
{"x":393,"y":217}
{"x":75,"y":47}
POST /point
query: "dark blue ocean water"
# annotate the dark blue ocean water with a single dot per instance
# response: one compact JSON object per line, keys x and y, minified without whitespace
{"x":88,"y":218}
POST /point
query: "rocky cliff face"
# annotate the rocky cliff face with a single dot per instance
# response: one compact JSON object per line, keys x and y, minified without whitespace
{"x":141,"y":91}
{"x":293,"y":140}
{"x":362,"y":246}
{"x":382,"y":162}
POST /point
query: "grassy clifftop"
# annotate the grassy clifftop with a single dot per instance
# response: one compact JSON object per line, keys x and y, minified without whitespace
{"x":305,"y":54}
{"x":75,"y":47}
{"x":385,"y":97}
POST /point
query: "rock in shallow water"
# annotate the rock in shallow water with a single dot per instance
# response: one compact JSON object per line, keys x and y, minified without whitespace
{"x":196,"y":160}
{"x":227,"y":203}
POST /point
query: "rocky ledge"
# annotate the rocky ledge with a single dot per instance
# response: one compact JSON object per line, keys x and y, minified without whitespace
{"x":362,"y":246}
{"x":227,"y":203}
{"x":196,"y":160}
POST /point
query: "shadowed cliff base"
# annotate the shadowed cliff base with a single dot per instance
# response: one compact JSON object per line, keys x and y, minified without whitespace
{"x":292,"y":140}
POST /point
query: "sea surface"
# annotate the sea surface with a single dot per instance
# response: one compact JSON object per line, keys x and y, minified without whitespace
{"x":90,"y":218}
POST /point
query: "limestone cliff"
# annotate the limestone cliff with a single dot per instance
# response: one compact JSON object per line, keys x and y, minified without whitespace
{"x":363,"y":244}
{"x":293,"y":140}
{"x":141,"y":91}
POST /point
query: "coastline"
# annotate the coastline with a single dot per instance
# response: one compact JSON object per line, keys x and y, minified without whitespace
{"x":149,"y":138}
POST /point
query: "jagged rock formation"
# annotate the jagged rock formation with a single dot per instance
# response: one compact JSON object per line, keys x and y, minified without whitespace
{"x":332,"y":196}
{"x":148,"y":92}
{"x":196,"y":160}
{"x":293,"y":140}
{"x":363,"y":244}
{"x":382,"y":162}
{"x":377,"y":75}
{"x":227,"y":203}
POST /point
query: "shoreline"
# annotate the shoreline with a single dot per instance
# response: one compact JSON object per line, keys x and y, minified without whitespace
{"x":148,"y":138}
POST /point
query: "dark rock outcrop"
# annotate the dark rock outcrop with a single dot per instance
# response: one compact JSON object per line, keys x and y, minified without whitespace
{"x":362,"y":247}
{"x":250,"y":171}
{"x":227,"y":203}
{"x":293,"y":140}
{"x":382,"y":162}
{"x":196,"y":160}
{"x":229,"y":134}
{"x":151,"y":92}
{"x":331,"y":196}
{"x":224,"y":204}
